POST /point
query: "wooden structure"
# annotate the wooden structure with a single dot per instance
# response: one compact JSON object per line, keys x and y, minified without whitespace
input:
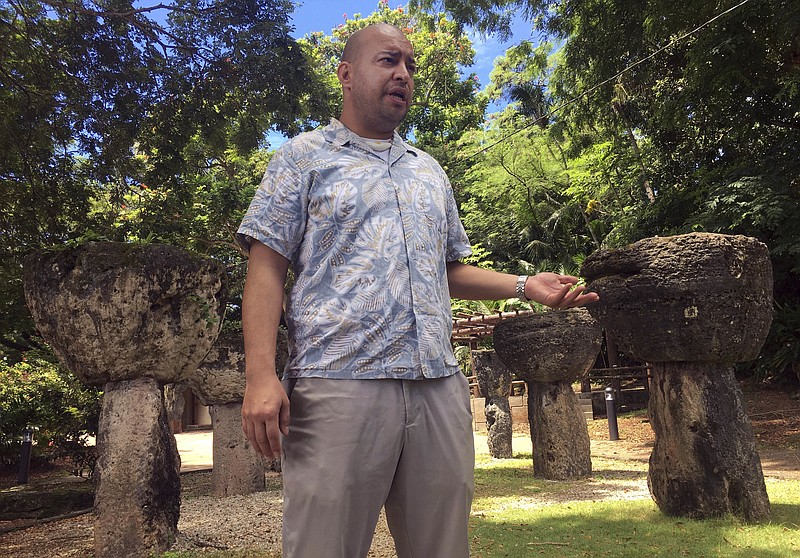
{"x":631,"y":383}
{"x":471,"y":328}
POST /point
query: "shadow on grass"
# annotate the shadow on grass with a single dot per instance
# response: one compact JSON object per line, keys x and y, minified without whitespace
{"x":611,"y":514}
{"x":788,"y":515}
{"x":629,"y":530}
{"x":515,"y":481}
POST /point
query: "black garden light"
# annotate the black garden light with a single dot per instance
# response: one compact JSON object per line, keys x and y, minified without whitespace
{"x":611,"y":413}
{"x":25,"y":455}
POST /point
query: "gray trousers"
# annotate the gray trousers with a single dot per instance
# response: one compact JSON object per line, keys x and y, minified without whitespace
{"x":355,"y":446}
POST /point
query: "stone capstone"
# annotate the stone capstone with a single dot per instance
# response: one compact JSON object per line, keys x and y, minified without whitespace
{"x":115,"y":311}
{"x":549,"y":347}
{"x":693,"y":297}
{"x":220,"y":378}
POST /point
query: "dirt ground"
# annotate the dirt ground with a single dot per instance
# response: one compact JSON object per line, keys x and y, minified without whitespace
{"x":775,"y":416}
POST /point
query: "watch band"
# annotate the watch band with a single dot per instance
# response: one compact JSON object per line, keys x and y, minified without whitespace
{"x":521,"y":280}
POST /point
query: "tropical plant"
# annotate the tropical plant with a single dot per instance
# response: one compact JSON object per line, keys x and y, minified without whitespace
{"x":40,"y":394}
{"x":127,"y":122}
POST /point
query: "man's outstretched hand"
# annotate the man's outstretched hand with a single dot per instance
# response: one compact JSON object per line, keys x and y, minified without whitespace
{"x":558,"y":291}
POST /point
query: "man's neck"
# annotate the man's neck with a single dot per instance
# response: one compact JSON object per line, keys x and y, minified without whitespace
{"x":353,"y":126}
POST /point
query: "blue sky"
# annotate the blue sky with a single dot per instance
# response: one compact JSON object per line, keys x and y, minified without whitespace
{"x":324,"y":15}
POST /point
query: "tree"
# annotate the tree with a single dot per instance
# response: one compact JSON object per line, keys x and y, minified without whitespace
{"x":118,"y":123}
{"x":445,"y":101}
{"x":687,"y":113}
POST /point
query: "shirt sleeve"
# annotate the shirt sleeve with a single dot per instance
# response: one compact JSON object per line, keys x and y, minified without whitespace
{"x":458,"y":245}
{"x":277,"y":214}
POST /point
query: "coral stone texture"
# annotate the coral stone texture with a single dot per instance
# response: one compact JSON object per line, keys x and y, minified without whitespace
{"x":494,"y":383}
{"x":549,"y":351}
{"x":220,"y":377}
{"x":130,"y":318}
{"x":704,"y":462}
{"x":693,"y":305}
{"x":114,"y":311}
{"x":220,"y":383}
{"x":559,"y":345}
{"x":696,"y":297}
{"x":138,"y":496}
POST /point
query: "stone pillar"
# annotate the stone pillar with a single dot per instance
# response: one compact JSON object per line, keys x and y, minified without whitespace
{"x":130,"y":318}
{"x":693,"y":305}
{"x":137,"y":500}
{"x":175,"y":402}
{"x":238,"y":469}
{"x":220,"y":382}
{"x":494,"y":382}
{"x":550,"y":351}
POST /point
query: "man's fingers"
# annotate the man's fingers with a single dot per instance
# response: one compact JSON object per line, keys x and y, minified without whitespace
{"x":256,"y":434}
{"x":578,"y":297}
{"x":284,"y":419}
{"x":569,"y":296}
{"x":273,"y":450}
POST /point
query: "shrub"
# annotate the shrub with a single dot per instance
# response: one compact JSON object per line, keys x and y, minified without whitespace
{"x":779,"y":359}
{"x":43,"y":394}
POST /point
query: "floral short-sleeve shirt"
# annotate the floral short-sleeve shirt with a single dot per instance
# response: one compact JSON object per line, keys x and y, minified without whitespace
{"x":368,"y":240}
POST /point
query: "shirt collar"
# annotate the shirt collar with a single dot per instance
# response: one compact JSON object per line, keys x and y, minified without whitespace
{"x":339,"y":135}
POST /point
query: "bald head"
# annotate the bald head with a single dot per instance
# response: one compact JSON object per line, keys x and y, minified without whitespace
{"x":377,"y":78}
{"x":356,"y":41}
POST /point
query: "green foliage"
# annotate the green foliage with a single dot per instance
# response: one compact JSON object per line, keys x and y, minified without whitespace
{"x":39,"y":393}
{"x":445,"y":102}
{"x":120,"y":124}
{"x":518,"y":198}
{"x":662,"y":117}
{"x":779,"y":359}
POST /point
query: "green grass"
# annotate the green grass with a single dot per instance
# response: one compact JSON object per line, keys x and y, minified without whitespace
{"x":514,"y":516}
{"x":507,"y":522}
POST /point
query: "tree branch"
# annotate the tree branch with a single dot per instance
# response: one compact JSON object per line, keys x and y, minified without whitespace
{"x":150,"y":28}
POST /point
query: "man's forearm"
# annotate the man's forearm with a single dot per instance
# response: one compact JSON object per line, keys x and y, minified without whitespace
{"x":473,"y":283}
{"x":551,"y":289}
{"x":262,"y":304}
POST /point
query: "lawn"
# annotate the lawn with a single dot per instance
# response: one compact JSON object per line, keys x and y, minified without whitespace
{"x":510,"y":520}
{"x":611,"y":514}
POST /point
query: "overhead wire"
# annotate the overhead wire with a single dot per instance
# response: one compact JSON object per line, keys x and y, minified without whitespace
{"x":597,"y":86}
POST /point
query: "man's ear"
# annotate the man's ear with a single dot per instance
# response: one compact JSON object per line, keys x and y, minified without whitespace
{"x":344,"y":73}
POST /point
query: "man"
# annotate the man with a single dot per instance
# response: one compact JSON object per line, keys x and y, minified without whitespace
{"x":379,"y":413}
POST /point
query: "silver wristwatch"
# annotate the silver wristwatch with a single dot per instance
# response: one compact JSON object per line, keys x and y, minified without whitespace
{"x":521,"y":280}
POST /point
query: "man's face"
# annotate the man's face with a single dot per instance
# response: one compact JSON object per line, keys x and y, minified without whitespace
{"x":382,"y":81}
